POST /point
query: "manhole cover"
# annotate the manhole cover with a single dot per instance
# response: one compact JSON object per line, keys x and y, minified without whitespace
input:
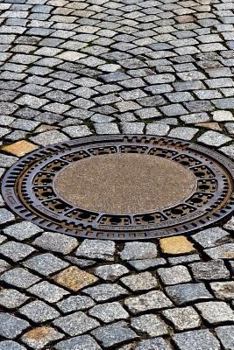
{"x":121,"y":187}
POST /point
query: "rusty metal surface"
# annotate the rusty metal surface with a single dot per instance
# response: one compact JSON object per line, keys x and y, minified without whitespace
{"x":28,"y":189}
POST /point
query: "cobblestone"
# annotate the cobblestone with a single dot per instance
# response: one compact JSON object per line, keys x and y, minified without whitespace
{"x":38,"y":338}
{"x":48,"y":291}
{"x":154,"y":300}
{"x":210,"y":270}
{"x":19,"y":277}
{"x":11,"y":298}
{"x":226,"y":336}
{"x":137,"y":250}
{"x":183,"y":318}
{"x":60,"y":244}
{"x":201,"y":339}
{"x":216,"y":312}
{"x":76,"y":323}
{"x":22,"y":230}
{"x":45,"y":264}
{"x":93,"y":249}
{"x":150,"y":324}
{"x":38,"y":311}
{"x":11,"y":326}
{"x":111,"y":272}
{"x":109,"y":312}
{"x":114,"y":334}
{"x":82,"y":342}
{"x":140,"y":282}
{"x":188,"y":292}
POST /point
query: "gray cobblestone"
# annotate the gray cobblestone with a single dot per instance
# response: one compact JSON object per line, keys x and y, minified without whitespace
{"x":109,"y":312}
{"x":188,"y":292}
{"x":226,"y":336}
{"x":150,"y":324}
{"x":22,"y":230}
{"x":216,"y":312}
{"x":48,"y":291}
{"x":200,"y":339}
{"x":114,"y":334}
{"x":154,"y":300}
{"x":56,"y":243}
{"x":12,"y":298}
{"x":38,"y":311}
{"x":19,"y":277}
{"x":76,"y":323}
{"x":183,"y":318}
{"x":82,"y":342}
{"x":45,"y":264}
{"x":11,"y":326}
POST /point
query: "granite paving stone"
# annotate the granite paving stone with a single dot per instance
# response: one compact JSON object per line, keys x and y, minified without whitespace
{"x":153,"y":344}
{"x":39,"y":337}
{"x":48,"y":291}
{"x":12,"y":298}
{"x":109,"y":312}
{"x":176,"y":245}
{"x":11,"y":326}
{"x":74,"y":278}
{"x":76,"y":323}
{"x":114,"y":334}
{"x":226,"y":336}
{"x":210,"y":237}
{"x":19,"y":277}
{"x":223,"y":290}
{"x":140,"y":282}
{"x":75,"y":303}
{"x":183,"y":318}
{"x":82,"y":342}
{"x":45,"y":264}
{"x":188,"y":292}
{"x":154,"y":300}
{"x":111,"y":272}
{"x":57,"y":243}
{"x":94,"y":249}
{"x":139,"y":251}
{"x":38,"y":311}
{"x":224,"y":251}
{"x":11,"y":345}
{"x":213,"y":138}
{"x":174,"y":275}
{"x":22,"y":230}
{"x":216,"y":312}
{"x":198,"y":339}
{"x":16,"y":251}
{"x":210,"y":270}
{"x":149,"y":324}
{"x":105,"y":291}
{"x":5,"y":215}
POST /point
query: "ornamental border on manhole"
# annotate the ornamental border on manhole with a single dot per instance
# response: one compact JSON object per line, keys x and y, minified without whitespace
{"x":28,"y":189}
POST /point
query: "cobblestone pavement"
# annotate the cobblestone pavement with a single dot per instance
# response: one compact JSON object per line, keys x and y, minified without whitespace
{"x":71,"y":68}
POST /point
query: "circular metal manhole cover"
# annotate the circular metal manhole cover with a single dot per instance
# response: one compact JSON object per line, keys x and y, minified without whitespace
{"x":121,"y":187}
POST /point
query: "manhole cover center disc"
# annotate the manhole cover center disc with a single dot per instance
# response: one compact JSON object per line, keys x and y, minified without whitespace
{"x":124,"y":183}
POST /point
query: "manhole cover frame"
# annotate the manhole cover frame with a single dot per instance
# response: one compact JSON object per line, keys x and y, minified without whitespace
{"x":16,"y":190}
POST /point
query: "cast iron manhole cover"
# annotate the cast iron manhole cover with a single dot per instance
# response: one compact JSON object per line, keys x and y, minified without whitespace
{"x":121,"y":187}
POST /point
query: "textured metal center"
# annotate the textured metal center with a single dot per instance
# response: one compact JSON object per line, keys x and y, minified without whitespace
{"x":121,"y":187}
{"x":124,"y":183}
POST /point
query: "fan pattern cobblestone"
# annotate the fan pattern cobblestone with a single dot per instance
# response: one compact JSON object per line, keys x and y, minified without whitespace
{"x":75,"y":68}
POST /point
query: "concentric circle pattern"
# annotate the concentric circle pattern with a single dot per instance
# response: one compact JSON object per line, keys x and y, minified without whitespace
{"x":35,"y":187}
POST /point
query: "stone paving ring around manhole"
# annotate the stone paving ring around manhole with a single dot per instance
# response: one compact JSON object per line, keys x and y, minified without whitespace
{"x":121,"y":187}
